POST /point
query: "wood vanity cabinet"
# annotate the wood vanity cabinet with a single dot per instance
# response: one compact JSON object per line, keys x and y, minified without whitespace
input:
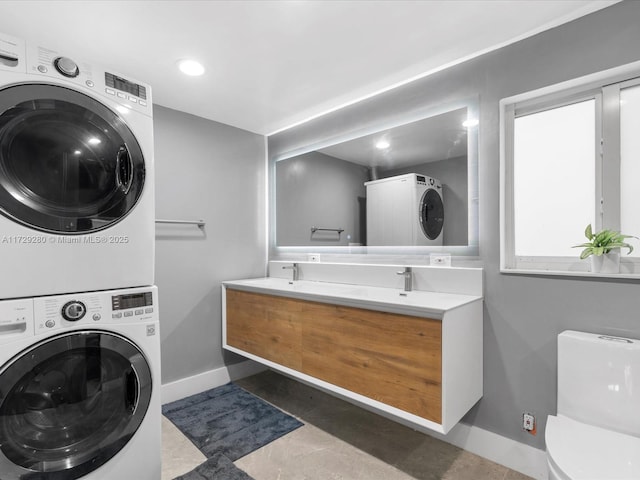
{"x":266,"y":326}
{"x":390,"y":358}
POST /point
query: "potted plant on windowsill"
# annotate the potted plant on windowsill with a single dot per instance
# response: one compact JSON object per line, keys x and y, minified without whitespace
{"x":603,"y":248}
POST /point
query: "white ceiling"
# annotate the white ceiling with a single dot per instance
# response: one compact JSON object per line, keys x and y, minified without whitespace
{"x":271,"y":64}
{"x":439,"y":137}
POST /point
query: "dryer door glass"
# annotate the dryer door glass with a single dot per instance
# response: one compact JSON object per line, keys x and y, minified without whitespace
{"x":431,"y":214}
{"x":68,"y":164}
{"x":70,"y":403}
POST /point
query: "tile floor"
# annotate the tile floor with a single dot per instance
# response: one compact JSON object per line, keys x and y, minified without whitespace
{"x":339,"y":441}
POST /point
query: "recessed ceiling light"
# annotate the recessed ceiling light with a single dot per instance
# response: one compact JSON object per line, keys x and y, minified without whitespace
{"x":382,"y":144}
{"x":472,"y":122}
{"x":191,"y":67}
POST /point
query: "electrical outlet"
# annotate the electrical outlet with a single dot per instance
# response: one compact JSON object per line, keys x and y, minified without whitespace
{"x":528,"y":422}
{"x":313,"y":257}
{"x":440,"y":259}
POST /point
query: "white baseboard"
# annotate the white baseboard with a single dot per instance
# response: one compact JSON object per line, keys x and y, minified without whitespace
{"x":505,"y":451}
{"x":207,"y":380}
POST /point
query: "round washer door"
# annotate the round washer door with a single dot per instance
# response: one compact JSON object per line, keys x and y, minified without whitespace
{"x":68,"y":164}
{"x":70,"y":403}
{"x":431,"y":214}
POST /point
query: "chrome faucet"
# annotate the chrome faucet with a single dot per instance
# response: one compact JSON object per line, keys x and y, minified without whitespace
{"x":408,"y":278}
{"x":294,"y":267}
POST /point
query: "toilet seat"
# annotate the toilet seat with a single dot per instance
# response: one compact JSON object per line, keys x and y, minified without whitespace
{"x":578,"y":451}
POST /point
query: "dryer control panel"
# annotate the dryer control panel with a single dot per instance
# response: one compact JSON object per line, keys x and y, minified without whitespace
{"x":21,"y":58}
{"x":132,"y":95}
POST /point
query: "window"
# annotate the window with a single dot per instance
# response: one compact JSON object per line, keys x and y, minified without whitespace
{"x":570,"y":157}
{"x":630,"y":163}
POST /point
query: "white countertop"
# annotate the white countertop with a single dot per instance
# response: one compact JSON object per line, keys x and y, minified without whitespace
{"x":419,"y":303}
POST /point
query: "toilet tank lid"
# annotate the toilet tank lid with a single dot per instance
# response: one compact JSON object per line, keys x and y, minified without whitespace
{"x":583,"y":451}
{"x":598,"y":378}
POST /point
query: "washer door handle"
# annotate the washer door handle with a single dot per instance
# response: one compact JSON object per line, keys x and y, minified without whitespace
{"x":132,"y":391}
{"x":124,"y":169}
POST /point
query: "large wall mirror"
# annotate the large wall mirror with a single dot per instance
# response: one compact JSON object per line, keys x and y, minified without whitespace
{"x":409,"y":187}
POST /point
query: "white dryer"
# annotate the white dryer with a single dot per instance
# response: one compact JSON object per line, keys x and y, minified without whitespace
{"x":76,"y":175}
{"x":405,"y":210}
{"x":80,"y":386}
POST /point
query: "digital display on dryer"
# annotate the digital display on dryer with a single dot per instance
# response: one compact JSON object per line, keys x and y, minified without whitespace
{"x":125,"y":85}
{"x":132,"y":300}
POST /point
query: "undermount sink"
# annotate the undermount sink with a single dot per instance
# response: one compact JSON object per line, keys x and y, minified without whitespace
{"x":274,"y":283}
{"x":416,"y":302}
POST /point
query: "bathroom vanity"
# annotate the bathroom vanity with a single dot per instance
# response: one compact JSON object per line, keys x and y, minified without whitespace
{"x":413,"y":356}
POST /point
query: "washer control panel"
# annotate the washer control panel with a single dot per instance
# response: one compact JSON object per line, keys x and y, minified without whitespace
{"x":95,"y":308}
{"x":16,"y":319}
{"x":12,"y":53}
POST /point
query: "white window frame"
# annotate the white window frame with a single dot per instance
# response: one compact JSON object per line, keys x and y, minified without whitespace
{"x":604,"y":87}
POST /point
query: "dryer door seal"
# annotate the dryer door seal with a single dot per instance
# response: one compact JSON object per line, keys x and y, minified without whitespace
{"x":431,"y":214}
{"x":70,"y":403}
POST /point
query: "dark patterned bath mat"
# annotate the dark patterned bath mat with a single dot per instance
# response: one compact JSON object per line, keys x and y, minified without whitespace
{"x":227,"y":423}
{"x":218,"y":467}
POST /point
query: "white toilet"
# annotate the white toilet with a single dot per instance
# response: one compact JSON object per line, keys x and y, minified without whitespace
{"x":596,"y":433}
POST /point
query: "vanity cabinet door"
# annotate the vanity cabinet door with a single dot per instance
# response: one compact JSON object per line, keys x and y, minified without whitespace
{"x":266,"y":326}
{"x":394,"y":359}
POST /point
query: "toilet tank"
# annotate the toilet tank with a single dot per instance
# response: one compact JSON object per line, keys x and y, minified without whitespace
{"x":599,"y":380}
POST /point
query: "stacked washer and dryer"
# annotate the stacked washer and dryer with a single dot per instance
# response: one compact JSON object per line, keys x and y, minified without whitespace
{"x":79,"y":332}
{"x":405,"y":210}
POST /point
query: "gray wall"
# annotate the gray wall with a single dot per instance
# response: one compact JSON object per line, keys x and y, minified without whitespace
{"x":523,"y":314}
{"x":452,"y":172}
{"x":315,"y":189}
{"x":210,"y":171}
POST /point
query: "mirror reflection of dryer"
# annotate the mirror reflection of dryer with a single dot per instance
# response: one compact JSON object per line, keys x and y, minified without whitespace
{"x":431,"y":214}
{"x":405,"y":210}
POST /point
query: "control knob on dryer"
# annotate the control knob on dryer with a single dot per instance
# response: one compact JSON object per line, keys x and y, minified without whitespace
{"x":73,"y":310}
{"x":66,"y":67}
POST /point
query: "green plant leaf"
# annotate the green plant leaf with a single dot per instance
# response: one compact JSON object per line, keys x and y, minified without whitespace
{"x":586,"y":253}
{"x":588,"y":232}
{"x":603,"y":242}
{"x":613,"y":245}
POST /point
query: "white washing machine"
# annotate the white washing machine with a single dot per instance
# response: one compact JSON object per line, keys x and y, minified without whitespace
{"x":405,"y":210}
{"x":76,"y":175}
{"x":80,"y":386}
